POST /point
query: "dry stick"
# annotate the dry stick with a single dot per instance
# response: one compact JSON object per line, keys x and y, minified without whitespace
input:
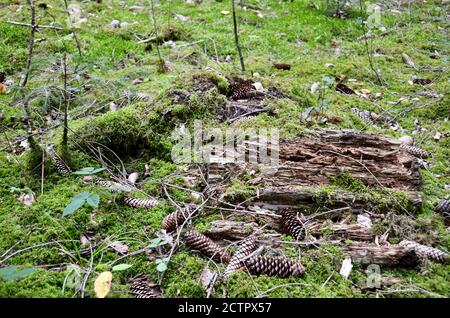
{"x":42,"y":171}
{"x":86,"y":276}
{"x":366,"y":41}
{"x":236,"y":37}
{"x":29,"y":248}
{"x":66,"y":103}
{"x":156,"y":31}
{"x":73,"y":32}
{"x":30,"y":43}
{"x":36,"y":26}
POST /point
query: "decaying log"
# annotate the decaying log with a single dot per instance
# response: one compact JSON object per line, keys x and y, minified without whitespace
{"x":393,"y":255}
{"x":276,"y":198}
{"x":238,"y":230}
{"x":317,"y":158}
{"x":351,"y":231}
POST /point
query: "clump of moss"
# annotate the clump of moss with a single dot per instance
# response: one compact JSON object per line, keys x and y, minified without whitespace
{"x":346,"y":181}
{"x":239,"y":191}
{"x":121,"y":131}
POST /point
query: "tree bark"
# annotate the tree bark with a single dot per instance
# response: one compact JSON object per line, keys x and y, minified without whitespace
{"x":392,"y":256}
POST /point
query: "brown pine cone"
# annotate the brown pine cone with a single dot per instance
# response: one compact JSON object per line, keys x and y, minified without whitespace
{"x":205,"y":245}
{"x":140,"y":287}
{"x":173,"y":220}
{"x":415,"y":151}
{"x":61,"y":167}
{"x":236,"y":262}
{"x":140,"y":203}
{"x":444,"y":208}
{"x":427,"y":251}
{"x":274,"y":266}
{"x":292,"y":225}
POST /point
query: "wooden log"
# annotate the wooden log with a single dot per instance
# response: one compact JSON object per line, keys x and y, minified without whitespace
{"x":238,"y":230}
{"x":276,"y":198}
{"x":393,"y":256}
{"x":315,"y":159}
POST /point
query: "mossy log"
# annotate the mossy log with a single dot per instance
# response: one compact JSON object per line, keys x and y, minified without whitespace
{"x":318,"y":158}
{"x":276,"y":198}
{"x":392,"y":256}
{"x":237,"y":230}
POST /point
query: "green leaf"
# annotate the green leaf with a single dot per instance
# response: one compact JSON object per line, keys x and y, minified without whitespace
{"x":77,"y":202}
{"x":121,"y":267}
{"x":81,"y":196}
{"x":162,"y":267}
{"x":121,"y":187}
{"x":93,"y":200}
{"x":88,"y":171}
{"x":13,"y":272}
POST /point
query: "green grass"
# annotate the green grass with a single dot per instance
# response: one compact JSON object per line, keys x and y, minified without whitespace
{"x":289,"y":32}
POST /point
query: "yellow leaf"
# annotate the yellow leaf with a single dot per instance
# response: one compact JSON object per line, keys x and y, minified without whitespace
{"x":225,"y":12}
{"x":102,"y":284}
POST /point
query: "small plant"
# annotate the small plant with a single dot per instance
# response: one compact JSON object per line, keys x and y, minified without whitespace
{"x":14,"y":272}
{"x":79,"y":200}
{"x":88,"y":171}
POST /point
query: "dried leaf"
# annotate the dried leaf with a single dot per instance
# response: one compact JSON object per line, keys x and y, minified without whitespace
{"x":282,"y":66}
{"x":132,"y":178}
{"x":407,"y":140}
{"x":364,"y":220}
{"x":342,"y":88}
{"x":119,"y":247}
{"x":102,"y":284}
{"x":346,"y":268}
{"x":27,"y":198}
{"x":437,"y":136}
{"x":422,"y":81}
{"x":182,"y":18}
{"x":314,"y":87}
{"x":207,"y":277}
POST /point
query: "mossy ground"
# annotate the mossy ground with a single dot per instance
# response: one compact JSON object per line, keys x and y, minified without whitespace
{"x":299,"y":33}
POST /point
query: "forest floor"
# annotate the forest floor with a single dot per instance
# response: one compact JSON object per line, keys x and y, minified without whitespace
{"x":123,"y":106}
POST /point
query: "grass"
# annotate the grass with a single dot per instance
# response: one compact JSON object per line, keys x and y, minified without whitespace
{"x":289,"y":32}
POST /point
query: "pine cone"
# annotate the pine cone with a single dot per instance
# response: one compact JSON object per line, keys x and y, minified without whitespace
{"x":426,"y":251}
{"x":205,"y":245}
{"x":292,"y":225}
{"x":274,"y":266}
{"x":111,"y":186}
{"x":416,"y":151}
{"x":140,"y":203}
{"x":61,"y":167}
{"x":241,"y":89}
{"x":444,"y":208}
{"x":236,"y":262}
{"x":407,"y":60}
{"x":140,"y":287}
{"x":173,"y":220}
{"x":363,"y":114}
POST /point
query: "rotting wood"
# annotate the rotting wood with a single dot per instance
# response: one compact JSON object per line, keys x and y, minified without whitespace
{"x":276,"y":198}
{"x":393,"y":255}
{"x":315,"y":159}
{"x":238,"y":230}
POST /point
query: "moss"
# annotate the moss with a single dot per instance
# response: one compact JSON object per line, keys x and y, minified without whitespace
{"x":239,"y":191}
{"x":121,"y":131}
{"x":346,"y":181}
